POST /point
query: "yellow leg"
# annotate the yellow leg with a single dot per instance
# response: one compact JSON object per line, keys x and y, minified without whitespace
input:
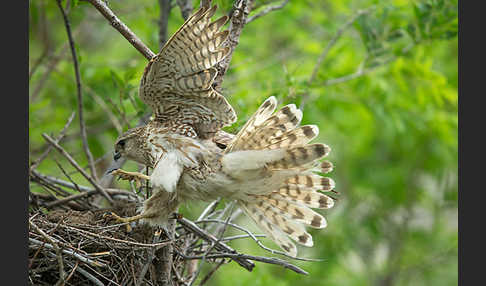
{"x":131,"y":176}
{"x":127,"y":219}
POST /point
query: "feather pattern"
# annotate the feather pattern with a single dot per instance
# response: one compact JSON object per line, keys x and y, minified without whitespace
{"x":177,"y":83}
{"x":272,"y":153}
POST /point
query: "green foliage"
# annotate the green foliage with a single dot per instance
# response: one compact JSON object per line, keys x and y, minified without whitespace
{"x":392,"y":130}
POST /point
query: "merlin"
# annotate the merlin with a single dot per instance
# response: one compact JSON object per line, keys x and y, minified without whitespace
{"x":269,"y":167}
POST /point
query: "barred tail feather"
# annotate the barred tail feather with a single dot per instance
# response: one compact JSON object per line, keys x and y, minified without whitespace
{"x":271,"y":156}
{"x":277,"y":235}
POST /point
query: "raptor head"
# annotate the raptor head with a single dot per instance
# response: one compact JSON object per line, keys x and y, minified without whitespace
{"x":130,"y":146}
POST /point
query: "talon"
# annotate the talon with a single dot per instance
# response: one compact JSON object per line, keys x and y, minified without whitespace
{"x":111,"y":171}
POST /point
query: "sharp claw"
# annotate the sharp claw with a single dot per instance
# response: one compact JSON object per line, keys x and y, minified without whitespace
{"x":111,"y":171}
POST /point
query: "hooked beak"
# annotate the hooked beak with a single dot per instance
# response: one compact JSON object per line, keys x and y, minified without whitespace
{"x":116,"y":156}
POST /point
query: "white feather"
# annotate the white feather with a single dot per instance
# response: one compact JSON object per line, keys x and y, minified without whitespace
{"x":250,"y":159}
{"x":167,"y":172}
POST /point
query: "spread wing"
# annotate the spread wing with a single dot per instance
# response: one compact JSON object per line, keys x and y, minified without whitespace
{"x":177,"y":83}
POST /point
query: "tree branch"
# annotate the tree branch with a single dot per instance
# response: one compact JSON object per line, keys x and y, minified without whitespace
{"x":75,"y":165}
{"x":186,"y":8}
{"x":49,"y":148}
{"x":267,"y":10}
{"x":101,"y":6}
{"x":239,"y":14}
{"x":79,"y":91}
{"x":165,"y":8}
{"x":248,"y":265}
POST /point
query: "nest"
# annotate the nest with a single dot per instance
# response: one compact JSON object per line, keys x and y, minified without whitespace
{"x":70,"y":247}
{"x":94,"y":250}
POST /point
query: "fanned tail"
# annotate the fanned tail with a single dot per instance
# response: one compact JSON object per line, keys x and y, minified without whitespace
{"x":271,"y":156}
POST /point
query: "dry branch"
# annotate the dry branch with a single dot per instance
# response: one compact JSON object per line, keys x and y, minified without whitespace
{"x":267,"y":10}
{"x":192,"y":227}
{"x":186,"y":8}
{"x":79,"y":92}
{"x":49,"y":148}
{"x":239,"y":14}
{"x":101,"y":6}
{"x":75,"y":165}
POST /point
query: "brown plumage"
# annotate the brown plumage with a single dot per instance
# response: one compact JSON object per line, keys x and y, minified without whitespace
{"x":269,"y":167}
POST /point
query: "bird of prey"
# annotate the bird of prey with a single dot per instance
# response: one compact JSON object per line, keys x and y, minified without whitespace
{"x":269,"y":167}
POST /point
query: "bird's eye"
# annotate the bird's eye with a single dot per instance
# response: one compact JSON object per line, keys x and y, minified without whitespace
{"x":121,"y":143}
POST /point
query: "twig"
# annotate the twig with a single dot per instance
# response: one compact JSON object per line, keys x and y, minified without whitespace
{"x":86,"y":194}
{"x":69,"y":252}
{"x":106,"y":109}
{"x":267,"y":10}
{"x":205,"y":3}
{"x":85,"y":190}
{"x":209,"y":209}
{"x":240,"y":12}
{"x":101,"y":6}
{"x":49,"y":148}
{"x":220,"y":236}
{"x":54,"y":246}
{"x":86,"y":274}
{"x":75,"y":165}
{"x":186,"y":7}
{"x":79,"y":92}
{"x":326,"y":50}
{"x":191,"y":226}
{"x":210,"y":273}
{"x":165,"y":8}
{"x":270,"y":260}
{"x":333,"y":41}
{"x":273,"y":251}
{"x":103,"y":237}
{"x":150,"y":257}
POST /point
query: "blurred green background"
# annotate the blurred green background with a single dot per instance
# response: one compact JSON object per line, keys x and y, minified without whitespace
{"x":385,"y":100}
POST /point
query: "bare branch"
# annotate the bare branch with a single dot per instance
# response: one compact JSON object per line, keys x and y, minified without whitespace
{"x":239,"y":14}
{"x":250,"y":234}
{"x":101,"y":6}
{"x":116,"y":123}
{"x":267,"y":10}
{"x":49,"y":148}
{"x":69,"y":252}
{"x":191,"y":226}
{"x":79,"y":91}
{"x":326,"y":50}
{"x":186,"y":8}
{"x":165,"y":8}
{"x":150,"y":258}
{"x":75,"y":165}
{"x":333,"y":41}
{"x":269,"y":260}
{"x":206,"y":3}
{"x":56,"y":248}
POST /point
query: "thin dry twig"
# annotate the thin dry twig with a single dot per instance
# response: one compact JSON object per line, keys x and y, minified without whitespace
{"x":116,"y":123}
{"x":269,"y":260}
{"x":213,"y":244}
{"x":79,"y":92}
{"x":186,"y":8}
{"x":267,"y":10}
{"x":49,"y":148}
{"x":165,"y":8}
{"x":191,"y":226}
{"x":239,"y":14}
{"x":56,"y":248}
{"x":326,"y":50}
{"x":101,"y":6}
{"x":75,"y":165}
{"x":252,"y":236}
{"x":333,"y":41}
{"x":69,"y":252}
